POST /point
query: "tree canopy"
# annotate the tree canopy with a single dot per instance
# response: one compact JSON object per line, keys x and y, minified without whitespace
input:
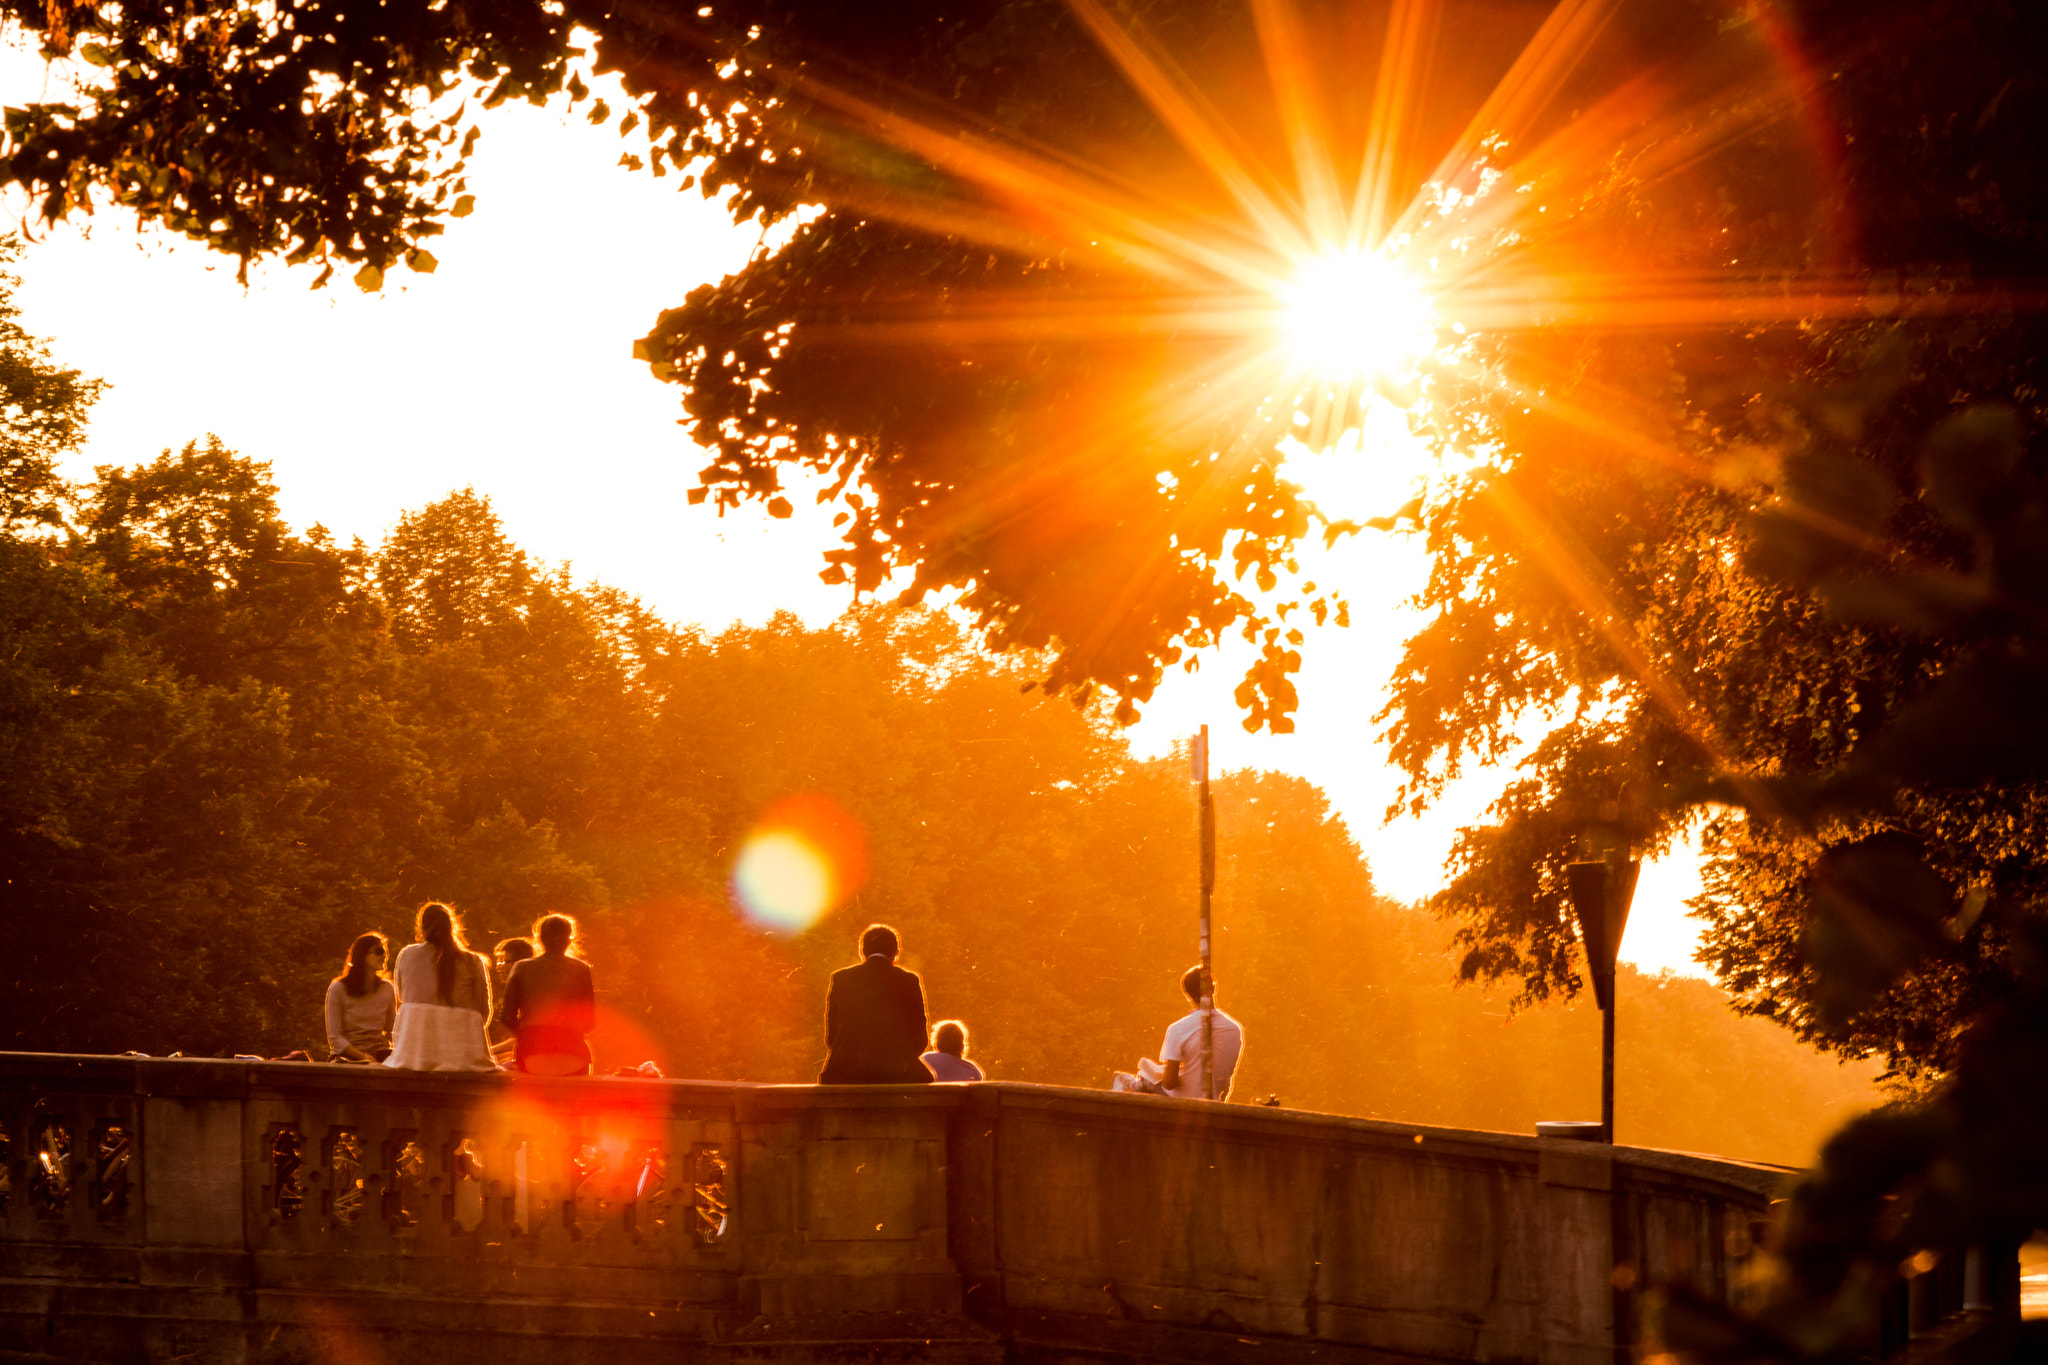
{"x":1631,"y":583}
{"x":1024,"y":333}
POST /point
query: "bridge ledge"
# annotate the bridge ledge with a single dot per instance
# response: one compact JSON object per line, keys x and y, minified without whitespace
{"x":219,"y":1210}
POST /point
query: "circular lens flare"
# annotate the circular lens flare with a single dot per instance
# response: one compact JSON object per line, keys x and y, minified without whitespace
{"x":804,"y":856}
{"x":783,"y":882}
{"x":1354,"y":314}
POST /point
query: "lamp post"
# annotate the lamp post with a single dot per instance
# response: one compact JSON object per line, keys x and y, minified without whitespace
{"x":1601,"y":891}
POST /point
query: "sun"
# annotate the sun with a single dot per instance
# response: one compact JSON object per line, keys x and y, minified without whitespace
{"x":1356,"y":315}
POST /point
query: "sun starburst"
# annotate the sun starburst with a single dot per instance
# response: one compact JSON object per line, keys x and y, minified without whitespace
{"x":1353,"y":315}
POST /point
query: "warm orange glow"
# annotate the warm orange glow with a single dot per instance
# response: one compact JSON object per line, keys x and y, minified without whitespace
{"x":803,"y":858}
{"x":784,"y":880}
{"x":1352,"y":314}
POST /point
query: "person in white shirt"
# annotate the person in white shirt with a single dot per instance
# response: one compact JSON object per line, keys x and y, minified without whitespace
{"x":1178,"y":1072}
{"x":948,"y":1057}
{"x":444,"y":997}
{"x":361,"y":1004}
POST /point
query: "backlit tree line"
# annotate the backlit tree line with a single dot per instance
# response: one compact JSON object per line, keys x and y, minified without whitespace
{"x":227,"y":747}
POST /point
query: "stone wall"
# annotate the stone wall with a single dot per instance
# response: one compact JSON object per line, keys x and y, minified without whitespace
{"x":225,"y":1211}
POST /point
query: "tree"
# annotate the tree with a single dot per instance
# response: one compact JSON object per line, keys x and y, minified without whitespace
{"x":1630,"y":578}
{"x":1028,"y":340}
{"x":43,"y":410}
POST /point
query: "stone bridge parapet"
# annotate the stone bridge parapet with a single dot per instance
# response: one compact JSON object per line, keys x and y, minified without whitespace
{"x":160,"y":1209}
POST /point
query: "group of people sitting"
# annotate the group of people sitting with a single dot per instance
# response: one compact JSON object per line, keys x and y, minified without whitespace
{"x":875,"y":1020}
{"x":434,"y":1013}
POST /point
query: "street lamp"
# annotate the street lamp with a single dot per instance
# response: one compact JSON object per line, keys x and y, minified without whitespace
{"x":1601,"y":891}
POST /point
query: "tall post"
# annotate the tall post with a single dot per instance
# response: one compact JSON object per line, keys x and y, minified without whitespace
{"x":1601,"y":891}
{"x":1607,"y":1069}
{"x":1208,"y":856}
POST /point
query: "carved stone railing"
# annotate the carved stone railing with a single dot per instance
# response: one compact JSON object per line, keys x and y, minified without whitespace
{"x":157,"y":1209}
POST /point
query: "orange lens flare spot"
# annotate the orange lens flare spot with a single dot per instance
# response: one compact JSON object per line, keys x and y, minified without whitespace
{"x":1354,"y":314}
{"x":804,"y":857}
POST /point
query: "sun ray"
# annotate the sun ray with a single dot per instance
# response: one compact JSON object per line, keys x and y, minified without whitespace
{"x":1410,"y":38}
{"x":1210,"y":291}
{"x":1200,"y":130}
{"x":1292,"y":77}
{"x":1572,"y":568}
{"x":1565,"y":39}
{"x":1072,"y":204}
{"x":1625,"y":438}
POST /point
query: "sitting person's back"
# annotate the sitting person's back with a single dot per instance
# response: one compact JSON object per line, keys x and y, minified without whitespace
{"x":874,"y":1018}
{"x":550,"y":1005}
{"x":948,"y":1057}
{"x":1184,"y":1044}
{"x":1178,"y":1072}
{"x":444,"y":997}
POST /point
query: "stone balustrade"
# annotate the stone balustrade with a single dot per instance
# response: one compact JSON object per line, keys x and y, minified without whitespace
{"x":156,"y":1209}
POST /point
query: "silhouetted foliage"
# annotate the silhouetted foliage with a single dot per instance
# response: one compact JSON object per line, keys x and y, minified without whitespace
{"x":1890,"y":921}
{"x":1014,"y":341}
{"x":1603,"y":590}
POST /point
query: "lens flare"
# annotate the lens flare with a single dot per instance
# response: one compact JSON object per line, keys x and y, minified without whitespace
{"x":804,"y":857}
{"x":783,"y":882}
{"x":1354,"y":314}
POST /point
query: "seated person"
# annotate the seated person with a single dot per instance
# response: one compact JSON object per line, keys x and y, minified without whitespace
{"x":948,"y":1058}
{"x":550,"y":1005}
{"x":361,"y":1004}
{"x":509,"y":954}
{"x":1178,"y":1072}
{"x":874,"y":1018}
{"x":444,"y":998}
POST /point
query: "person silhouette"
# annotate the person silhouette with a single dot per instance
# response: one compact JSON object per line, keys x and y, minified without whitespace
{"x":874,"y":1018}
{"x":550,"y":1005}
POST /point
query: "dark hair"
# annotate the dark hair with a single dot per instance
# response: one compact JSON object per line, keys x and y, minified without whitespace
{"x":555,"y":933}
{"x":437,"y":925}
{"x":950,"y":1037}
{"x":879,"y":938}
{"x":356,"y":977}
{"x":1191,"y":982}
{"x":511,"y":950}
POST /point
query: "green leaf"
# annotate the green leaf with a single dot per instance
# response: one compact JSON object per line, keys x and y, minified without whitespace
{"x":1969,"y":461}
{"x":779,"y":507}
{"x":422,"y":260}
{"x":464,"y":206}
{"x":370,"y":279}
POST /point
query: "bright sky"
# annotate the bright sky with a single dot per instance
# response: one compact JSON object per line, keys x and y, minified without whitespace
{"x":509,"y":370}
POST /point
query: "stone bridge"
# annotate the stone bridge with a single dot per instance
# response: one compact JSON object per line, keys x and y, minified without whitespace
{"x":164,"y":1209}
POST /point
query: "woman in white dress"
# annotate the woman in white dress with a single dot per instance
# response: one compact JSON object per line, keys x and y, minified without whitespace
{"x":444,"y":997}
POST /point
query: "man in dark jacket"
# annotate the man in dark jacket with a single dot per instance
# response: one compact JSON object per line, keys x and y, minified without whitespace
{"x":874,"y":1018}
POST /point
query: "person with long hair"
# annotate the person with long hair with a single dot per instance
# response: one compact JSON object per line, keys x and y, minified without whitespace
{"x":361,"y":1004}
{"x":444,"y":997}
{"x":550,"y":1005}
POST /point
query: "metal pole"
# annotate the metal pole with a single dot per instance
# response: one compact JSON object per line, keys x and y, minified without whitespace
{"x":1208,"y":854}
{"x":1607,"y":1067}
